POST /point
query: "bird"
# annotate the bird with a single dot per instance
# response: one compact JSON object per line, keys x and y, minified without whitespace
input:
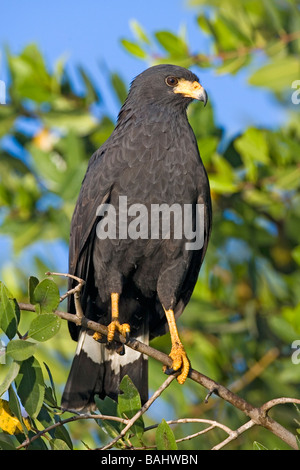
{"x":137,"y":285}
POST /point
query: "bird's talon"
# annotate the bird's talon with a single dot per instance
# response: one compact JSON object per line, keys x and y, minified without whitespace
{"x":114,"y":326}
{"x":125,"y":330}
{"x":97,"y":336}
{"x":180,"y":361}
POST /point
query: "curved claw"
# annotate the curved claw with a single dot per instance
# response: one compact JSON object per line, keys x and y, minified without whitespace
{"x":127,"y":335}
{"x":114,"y":326}
{"x":124,"y":329}
{"x":180,"y":362}
{"x":168,"y":370}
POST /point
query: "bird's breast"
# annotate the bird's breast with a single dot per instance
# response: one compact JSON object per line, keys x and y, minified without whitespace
{"x":161,"y":168}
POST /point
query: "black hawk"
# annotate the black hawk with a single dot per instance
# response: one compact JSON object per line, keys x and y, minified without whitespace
{"x":139,"y":283}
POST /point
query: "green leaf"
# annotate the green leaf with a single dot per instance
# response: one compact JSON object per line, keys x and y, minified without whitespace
{"x":20,"y":349}
{"x":7,"y":118}
{"x":32,"y":283}
{"x":14,"y":406}
{"x":224,"y":34}
{"x":289,"y":179}
{"x":46,"y":295}
{"x":44,"y":327}
{"x":277,"y":75}
{"x":253,"y":145}
{"x":173,"y":44}
{"x":119,"y":87}
{"x":204,"y":24}
{"x":139,"y":31}
{"x":7,"y":442}
{"x":253,"y":148}
{"x":62,"y":434}
{"x":232,"y":66}
{"x":80,"y":121}
{"x":134,"y":49}
{"x":258,"y":446}
{"x":296,"y":254}
{"x":9,"y":312}
{"x":292,"y":316}
{"x":49,"y":397}
{"x":129,"y":403}
{"x":92,"y":95}
{"x":37,"y":444}
{"x":53,"y":398}
{"x":282,"y":328}
{"x":23,"y":233}
{"x":108,"y":407}
{"x":10,"y":377}
{"x":222,"y":180}
{"x":30,"y":78}
{"x":274,"y":15}
{"x":59,"y":444}
{"x":30,"y":386}
{"x":46,"y":419}
{"x":164,"y":437}
{"x":111,"y":428}
{"x":71,"y":147}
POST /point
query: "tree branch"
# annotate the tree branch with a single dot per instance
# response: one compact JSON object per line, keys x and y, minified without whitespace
{"x":257,"y":415}
{"x":143,"y":410}
{"x":29,"y":440}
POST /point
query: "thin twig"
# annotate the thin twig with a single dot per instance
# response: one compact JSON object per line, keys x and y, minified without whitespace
{"x":75,"y":291}
{"x":251,"y":374}
{"x":235,"y":434}
{"x":29,"y":440}
{"x":278,"y":401}
{"x":240,"y":51}
{"x":144,"y":408}
{"x":196,"y":434}
{"x":255,"y":370}
{"x":265,"y":407}
{"x":194,"y":420}
{"x":259,"y":416}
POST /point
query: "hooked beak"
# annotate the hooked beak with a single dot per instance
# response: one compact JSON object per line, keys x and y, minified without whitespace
{"x":191,"y":90}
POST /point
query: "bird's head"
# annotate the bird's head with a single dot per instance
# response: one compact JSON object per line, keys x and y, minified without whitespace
{"x":166,"y":85}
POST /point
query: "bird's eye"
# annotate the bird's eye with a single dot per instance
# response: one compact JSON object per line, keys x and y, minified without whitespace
{"x":171,"y":81}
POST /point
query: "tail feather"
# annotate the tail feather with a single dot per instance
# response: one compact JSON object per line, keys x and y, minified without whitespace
{"x":98,"y":370}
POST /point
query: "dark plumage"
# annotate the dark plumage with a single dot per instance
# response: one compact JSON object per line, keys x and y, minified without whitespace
{"x":151,"y":158}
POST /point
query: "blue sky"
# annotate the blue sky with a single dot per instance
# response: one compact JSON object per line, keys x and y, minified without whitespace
{"x":89,"y":33}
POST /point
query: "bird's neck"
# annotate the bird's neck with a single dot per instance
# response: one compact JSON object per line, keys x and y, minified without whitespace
{"x":158,"y":113}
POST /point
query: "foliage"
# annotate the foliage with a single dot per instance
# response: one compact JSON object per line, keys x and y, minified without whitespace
{"x":26,"y":386}
{"x":244,"y":313}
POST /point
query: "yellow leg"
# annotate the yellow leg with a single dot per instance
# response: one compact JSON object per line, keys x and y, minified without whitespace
{"x":115,"y":325}
{"x":177,"y":354}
